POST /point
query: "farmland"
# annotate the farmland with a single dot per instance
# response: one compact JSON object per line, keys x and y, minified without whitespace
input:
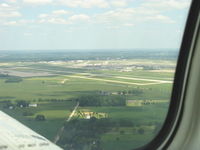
{"x":123,"y":98}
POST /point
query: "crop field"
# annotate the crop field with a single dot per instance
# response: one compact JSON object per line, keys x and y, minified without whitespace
{"x":136,"y":114}
{"x":64,"y":86}
{"x":117,"y":141}
{"x":128,"y":98}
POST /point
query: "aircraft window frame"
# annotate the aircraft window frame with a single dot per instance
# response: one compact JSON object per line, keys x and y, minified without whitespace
{"x":171,"y":124}
{"x":175,"y":111}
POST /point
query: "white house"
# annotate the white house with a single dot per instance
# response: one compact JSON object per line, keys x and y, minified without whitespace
{"x":32,"y":105}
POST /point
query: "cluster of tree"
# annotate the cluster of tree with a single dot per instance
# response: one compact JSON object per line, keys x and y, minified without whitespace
{"x":40,"y":118}
{"x":133,"y":92}
{"x":22,"y":103}
{"x":10,"y":79}
{"x":4,"y":75}
{"x":99,"y":100}
{"x":141,"y":131}
{"x":7,"y":104}
{"x":13,"y":80}
{"x":150,"y":67}
{"x":83,"y":134}
{"x":19,"y":103}
{"x":50,"y":100}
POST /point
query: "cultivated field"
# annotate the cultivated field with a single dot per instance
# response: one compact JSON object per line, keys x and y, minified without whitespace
{"x":132,"y":95}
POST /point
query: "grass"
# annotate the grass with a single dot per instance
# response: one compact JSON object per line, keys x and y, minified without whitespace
{"x":140,"y":73}
{"x":127,"y":141}
{"x":55,"y":113}
{"x":52,"y":88}
{"x":142,"y":102}
{"x":37,"y":89}
{"x":136,"y":114}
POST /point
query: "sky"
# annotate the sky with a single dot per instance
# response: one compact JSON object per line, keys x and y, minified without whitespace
{"x":92,"y":24}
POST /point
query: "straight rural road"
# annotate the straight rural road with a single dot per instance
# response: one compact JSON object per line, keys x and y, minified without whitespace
{"x":57,"y":137}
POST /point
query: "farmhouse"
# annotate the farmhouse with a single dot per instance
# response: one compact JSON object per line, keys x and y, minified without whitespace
{"x":32,"y":105}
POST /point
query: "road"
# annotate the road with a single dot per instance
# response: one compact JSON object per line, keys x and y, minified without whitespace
{"x":142,"y":79}
{"x":121,"y":82}
{"x":57,"y":137}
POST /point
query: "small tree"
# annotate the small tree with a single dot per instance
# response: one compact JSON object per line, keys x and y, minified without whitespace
{"x":141,"y":131}
{"x":124,"y":92}
{"x":122,"y":132}
{"x":22,"y":103}
{"x":40,"y":118}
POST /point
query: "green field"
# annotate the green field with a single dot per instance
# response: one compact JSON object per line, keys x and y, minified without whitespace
{"x":57,"y":88}
{"x":55,"y":112}
{"x":52,"y":87}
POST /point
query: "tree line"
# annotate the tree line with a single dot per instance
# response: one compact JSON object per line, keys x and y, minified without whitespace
{"x":99,"y":100}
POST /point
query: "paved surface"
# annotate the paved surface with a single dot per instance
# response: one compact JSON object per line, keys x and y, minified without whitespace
{"x":62,"y":129}
{"x":121,"y":82}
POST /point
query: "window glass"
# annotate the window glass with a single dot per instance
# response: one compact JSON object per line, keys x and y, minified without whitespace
{"x":90,"y":74}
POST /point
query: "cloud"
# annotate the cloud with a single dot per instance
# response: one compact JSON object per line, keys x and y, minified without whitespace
{"x":11,"y":1}
{"x":57,"y":21}
{"x":55,"y":17}
{"x":131,"y":15}
{"x":128,"y":24}
{"x":55,"y":13}
{"x":148,"y":10}
{"x":123,"y":15}
{"x":9,"y":14}
{"x":161,"y":18}
{"x":79,"y":17}
{"x":10,"y":23}
{"x":54,"y":21}
{"x":18,"y":22}
{"x":37,"y":2}
{"x":8,"y":11}
{"x":71,"y":20}
{"x":119,"y":3}
{"x":166,"y":4}
{"x":112,"y":27}
{"x":27,"y":34}
{"x":115,"y":15}
{"x":5,"y":5}
{"x":117,"y":12}
{"x":43,"y":15}
{"x":44,"y":18}
{"x":60,"y":12}
{"x":85,"y":3}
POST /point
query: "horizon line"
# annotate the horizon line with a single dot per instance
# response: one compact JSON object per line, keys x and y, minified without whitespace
{"x":110,"y":49}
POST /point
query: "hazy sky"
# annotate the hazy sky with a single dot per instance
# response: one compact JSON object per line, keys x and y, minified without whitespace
{"x":91,"y":24}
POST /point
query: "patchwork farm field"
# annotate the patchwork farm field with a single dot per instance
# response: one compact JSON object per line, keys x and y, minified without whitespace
{"x":107,"y":104}
{"x":66,"y":86}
